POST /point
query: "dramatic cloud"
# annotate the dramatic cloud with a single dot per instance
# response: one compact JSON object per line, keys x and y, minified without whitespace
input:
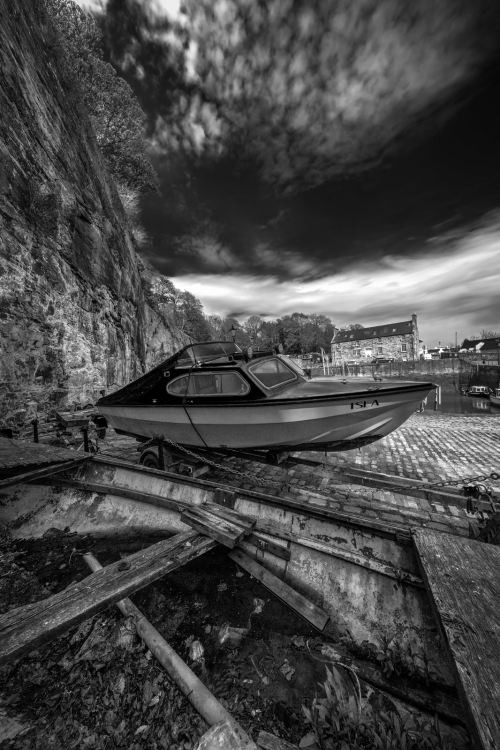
{"x":316,"y":91}
{"x":307,"y":91}
{"x":452,"y":286}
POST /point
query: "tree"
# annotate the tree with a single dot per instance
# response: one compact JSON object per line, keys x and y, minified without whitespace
{"x":215,"y":324}
{"x":253,"y":327}
{"x":269,"y":334}
{"x":241,"y":336}
{"x":189,"y":318}
{"x":115,"y":112}
{"x":484,"y":334}
{"x":290,"y":332}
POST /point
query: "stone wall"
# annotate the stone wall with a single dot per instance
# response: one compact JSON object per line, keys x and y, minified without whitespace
{"x":450,"y":374}
{"x":73,"y":317}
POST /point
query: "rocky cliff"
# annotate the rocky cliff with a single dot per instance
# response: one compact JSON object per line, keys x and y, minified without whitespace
{"x":73,"y":316}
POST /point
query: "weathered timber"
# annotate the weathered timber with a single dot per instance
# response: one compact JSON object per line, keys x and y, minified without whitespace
{"x":268,"y":546}
{"x":225,"y":735}
{"x":382,"y":528}
{"x":193,"y":688}
{"x":46,"y":471}
{"x":17,"y":453}
{"x":111,"y":489}
{"x":223,"y":531}
{"x":31,"y":626}
{"x":354,"y":557}
{"x":268,"y":741}
{"x":463,"y":581}
{"x":239,"y":519}
{"x":302,"y":606}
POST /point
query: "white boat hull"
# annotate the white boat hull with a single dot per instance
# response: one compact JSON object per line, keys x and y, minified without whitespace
{"x":270,"y":424}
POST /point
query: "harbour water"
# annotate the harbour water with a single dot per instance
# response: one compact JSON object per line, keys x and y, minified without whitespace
{"x":455,"y":403}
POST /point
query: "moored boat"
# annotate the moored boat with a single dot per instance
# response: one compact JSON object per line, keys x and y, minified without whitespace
{"x":216,"y":396}
{"x":495,"y":397}
{"x":479,"y":390}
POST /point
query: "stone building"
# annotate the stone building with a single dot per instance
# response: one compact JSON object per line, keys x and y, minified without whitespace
{"x":483,"y":351}
{"x":398,"y":341}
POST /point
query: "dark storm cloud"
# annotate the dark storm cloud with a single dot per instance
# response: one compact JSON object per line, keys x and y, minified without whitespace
{"x":316,"y":92}
{"x":306,"y":91}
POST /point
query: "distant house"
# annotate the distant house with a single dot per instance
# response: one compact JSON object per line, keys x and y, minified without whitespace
{"x":481,"y":350}
{"x":398,"y":341}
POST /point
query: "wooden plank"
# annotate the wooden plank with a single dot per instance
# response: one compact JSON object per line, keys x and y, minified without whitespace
{"x":239,"y":519}
{"x":32,"y":476}
{"x":463,"y":581}
{"x":31,"y":626}
{"x":205,"y":525}
{"x":268,"y":546}
{"x":302,"y":606}
{"x":21,"y":453}
{"x":267,"y":741}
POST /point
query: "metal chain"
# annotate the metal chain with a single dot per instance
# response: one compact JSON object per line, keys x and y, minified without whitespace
{"x":284,"y":485}
{"x":229,"y":470}
{"x":448,"y":482}
{"x":465,"y":480}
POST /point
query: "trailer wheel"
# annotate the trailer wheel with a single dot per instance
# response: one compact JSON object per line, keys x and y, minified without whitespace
{"x":150,"y":460}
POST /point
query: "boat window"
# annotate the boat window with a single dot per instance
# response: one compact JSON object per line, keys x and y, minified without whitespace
{"x":209,"y":384}
{"x":219,"y":351}
{"x":272,"y":372}
{"x":293,"y":365}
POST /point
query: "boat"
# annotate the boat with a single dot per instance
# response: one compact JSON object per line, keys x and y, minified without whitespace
{"x":479,"y":390}
{"x":216,"y":396}
{"x":495,"y":397}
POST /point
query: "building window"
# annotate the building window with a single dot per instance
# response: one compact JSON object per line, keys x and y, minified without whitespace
{"x":357,"y":352}
{"x":368,"y":352}
{"x":404,"y":347}
{"x":380,"y":349}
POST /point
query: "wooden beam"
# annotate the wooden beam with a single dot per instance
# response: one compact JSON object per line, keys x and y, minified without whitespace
{"x":268,"y":546}
{"x":31,"y":626}
{"x":239,"y":519}
{"x":463,"y":582}
{"x":302,"y":606}
{"x":32,"y":476}
{"x":224,"y":532}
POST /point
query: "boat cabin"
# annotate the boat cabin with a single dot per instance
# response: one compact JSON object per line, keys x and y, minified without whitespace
{"x":479,"y":390}
{"x":214,"y":371}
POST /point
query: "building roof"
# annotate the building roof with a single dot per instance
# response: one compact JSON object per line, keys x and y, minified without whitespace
{"x":480,"y":345}
{"x":362,"y":334}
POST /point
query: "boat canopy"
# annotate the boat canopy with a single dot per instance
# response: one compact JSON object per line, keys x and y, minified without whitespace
{"x":217,"y":352}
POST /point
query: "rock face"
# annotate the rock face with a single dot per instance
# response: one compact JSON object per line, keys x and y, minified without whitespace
{"x":73,"y":316}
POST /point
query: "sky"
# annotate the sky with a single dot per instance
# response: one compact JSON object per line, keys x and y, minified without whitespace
{"x":340,"y":157}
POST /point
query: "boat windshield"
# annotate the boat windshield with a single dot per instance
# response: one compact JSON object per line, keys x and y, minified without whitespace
{"x":294,"y":366}
{"x":272,"y":372}
{"x":213,"y":351}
